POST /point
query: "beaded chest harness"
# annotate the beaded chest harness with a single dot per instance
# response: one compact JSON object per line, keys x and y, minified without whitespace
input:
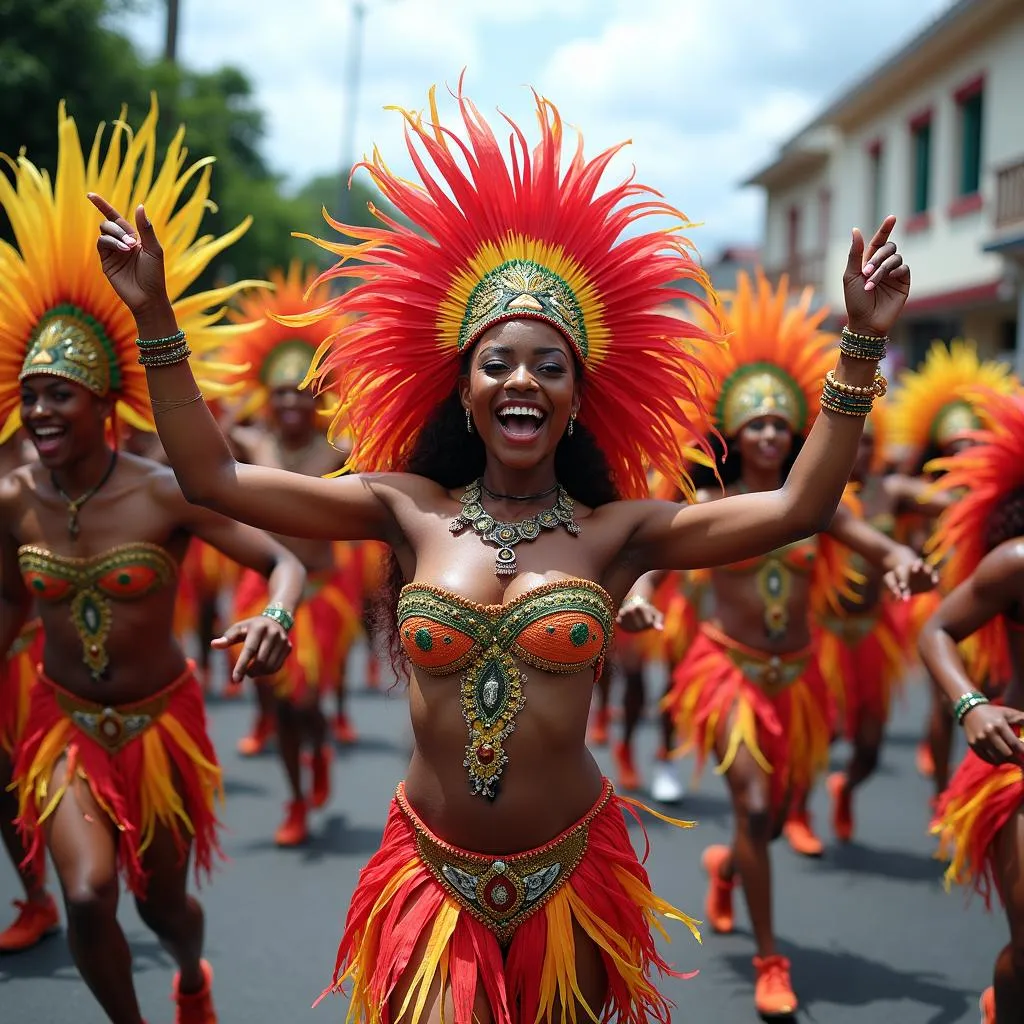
{"x":124,"y":573}
{"x":560,"y":627}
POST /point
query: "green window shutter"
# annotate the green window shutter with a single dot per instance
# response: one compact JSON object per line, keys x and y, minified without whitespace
{"x":922,"y":141}
{"x":970,"y":144}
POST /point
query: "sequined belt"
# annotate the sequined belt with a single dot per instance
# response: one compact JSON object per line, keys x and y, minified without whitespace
{"x":113,"y":728}
{"x":502,"y":892}
{"x":851,"y":628}
{"x":769,"y":672}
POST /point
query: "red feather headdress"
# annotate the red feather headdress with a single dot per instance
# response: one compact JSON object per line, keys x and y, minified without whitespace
{"x":496,"y":239}
{"x":985,"y":475}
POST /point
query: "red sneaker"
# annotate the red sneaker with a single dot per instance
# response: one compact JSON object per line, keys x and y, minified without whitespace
{"x":842,"y":806}
{"x":34,"y":922}
{"x":628,"y":777}
{"x":773,"y":991}
{"x":987,"y":1006}
{"x":320,"y":762}
{"x":801,"y":836}
{"x":344,"y":732}
{"x":924,"y":760}
{"x":293,"y":831}
{"x":254,"y":743}
{"x":195,"y":1007}
{"x":718,"y":906}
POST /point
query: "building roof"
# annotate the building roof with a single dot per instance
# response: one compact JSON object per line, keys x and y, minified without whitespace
{"x":948,"y":35}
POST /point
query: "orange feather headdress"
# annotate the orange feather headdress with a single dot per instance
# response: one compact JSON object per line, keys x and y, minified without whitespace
{"x":58,"y":314}
{"x":499,"y":237}
{"x":273,"y":353}
{"x":775,"y":360}
{"x":985,"y":475}
{"x":932,"y":405}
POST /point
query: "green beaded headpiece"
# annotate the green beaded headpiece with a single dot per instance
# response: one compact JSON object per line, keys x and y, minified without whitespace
{"x":71,"y":344}
{"x":287,"y":364}
{"x":953,"y":421}
{"x":760,"y":389}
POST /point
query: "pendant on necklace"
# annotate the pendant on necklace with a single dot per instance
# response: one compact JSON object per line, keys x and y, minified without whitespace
{"x":506,"y":535}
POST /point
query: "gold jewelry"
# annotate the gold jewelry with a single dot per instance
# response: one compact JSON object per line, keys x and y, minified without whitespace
{"x":280,"y":615}
{"x":170,"y":404}
{"x":469,"y":422}
{"x":507,"y":535}
{"x":155,"y":343}
{"x":75,"y":504}
{"x":572,"y":421}
{"x":862,"y":346}
{"x":876,"y":389}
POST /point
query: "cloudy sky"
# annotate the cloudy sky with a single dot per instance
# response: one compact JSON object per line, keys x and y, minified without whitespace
{"x":706,"y":89}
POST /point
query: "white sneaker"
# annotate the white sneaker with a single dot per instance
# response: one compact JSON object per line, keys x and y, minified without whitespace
{"x":666,"y":785}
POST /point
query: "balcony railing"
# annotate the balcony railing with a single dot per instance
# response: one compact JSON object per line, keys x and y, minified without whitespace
{"x":1010,"y":194}
{"x":803,"y":269}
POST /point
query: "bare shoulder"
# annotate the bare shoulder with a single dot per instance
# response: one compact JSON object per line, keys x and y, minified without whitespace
{"x":155,"y":477}
{"x":14,"y":486}
{"x":404,"y":492}
{"x":1003,"y":565}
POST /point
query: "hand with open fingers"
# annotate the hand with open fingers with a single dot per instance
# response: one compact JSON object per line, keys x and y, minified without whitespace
{"x":265,"y":646}
{"x":914,"y":576}
{"x":131,"y":257}
{"x":876,"y":282}
{"x":992,"y":730}
{"x":637,"y":616}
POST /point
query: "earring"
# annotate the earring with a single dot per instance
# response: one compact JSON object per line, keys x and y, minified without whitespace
{"x":572,"y":420}
{"x":469,"y":422}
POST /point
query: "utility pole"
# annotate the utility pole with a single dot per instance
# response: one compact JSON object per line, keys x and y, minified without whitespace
{"x":353,"y":73}
{"x":171,"y":35}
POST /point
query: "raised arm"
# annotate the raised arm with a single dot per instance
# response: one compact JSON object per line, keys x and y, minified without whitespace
{"x":876,"y":284}
{"x":994,"y":589}
{"x":290,"y":504}
{"x":14,"y":597}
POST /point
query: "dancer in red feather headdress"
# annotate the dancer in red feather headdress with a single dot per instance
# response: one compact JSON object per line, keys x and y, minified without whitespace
{"x":510,"y":376}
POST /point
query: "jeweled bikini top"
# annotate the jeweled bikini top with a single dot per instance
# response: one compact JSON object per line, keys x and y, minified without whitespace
{"x":561,"y":627}
{"x":125,"y":573}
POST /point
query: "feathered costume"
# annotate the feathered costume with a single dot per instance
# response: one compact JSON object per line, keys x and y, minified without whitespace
{"x":498,"y":238}
{"x":150,"y":762}
{"x":981,"y":798}
{"x":777,"y":706}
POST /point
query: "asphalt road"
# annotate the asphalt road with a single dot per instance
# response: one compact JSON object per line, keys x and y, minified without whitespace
{"x":871,"y":933}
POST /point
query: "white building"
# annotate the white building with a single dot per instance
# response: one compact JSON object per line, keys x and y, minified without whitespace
{"x":934,"y":135}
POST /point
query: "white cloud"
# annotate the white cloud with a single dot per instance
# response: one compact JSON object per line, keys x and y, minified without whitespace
{"x":706,"y":88}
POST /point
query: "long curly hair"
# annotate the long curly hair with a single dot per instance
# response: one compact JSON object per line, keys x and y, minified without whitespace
{"x":448,"y":454}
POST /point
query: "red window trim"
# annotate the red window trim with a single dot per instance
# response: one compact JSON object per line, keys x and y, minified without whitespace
{"x":918,"y":222}
{"x":965,"y":204}
{"x":874,"y":147}
{"x":969,"y":89}
{"x":920,"y":119}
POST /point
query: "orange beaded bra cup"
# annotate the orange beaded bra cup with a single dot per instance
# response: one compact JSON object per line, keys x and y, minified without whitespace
{"x":561,"y":627}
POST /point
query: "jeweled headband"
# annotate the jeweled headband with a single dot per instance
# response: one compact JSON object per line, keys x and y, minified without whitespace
{"x":760,"y":389}
{"x":69,"y":343}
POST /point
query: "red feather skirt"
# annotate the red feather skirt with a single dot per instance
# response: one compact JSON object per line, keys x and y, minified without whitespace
{"x":426,"y":912}
{"x":326,"y":624}
{"x":777,"y":706}
{"x":863,"y":659}
{"x":17,"y":674}
{"x":148,"y":765}
{"x":980,"y":800}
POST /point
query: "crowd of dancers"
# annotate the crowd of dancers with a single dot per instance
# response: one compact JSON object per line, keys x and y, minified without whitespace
{"x":514,"y":437}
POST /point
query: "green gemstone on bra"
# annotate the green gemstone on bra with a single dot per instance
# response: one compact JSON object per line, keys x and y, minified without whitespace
{"x":38,"y":585}
{"x":579,"y":634}
{"x":124,"y":579}
{"x":424,"y":641}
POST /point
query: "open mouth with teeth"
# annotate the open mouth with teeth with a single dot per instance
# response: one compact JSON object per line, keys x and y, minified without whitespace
{"x":521,"y":422}
{"x":47,"y":439}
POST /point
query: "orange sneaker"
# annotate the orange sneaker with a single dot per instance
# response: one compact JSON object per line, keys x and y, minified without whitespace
{"x":34,"y":922}
{"x":344,"y":732}
{"x":293,"y":831}
{"x":987,"y":1006}
{"x":628,"y":777}
{"x":801,"y":836}
{"x":599,"y":728}
{"x":773,"y":991}
{"x":320,"y":762}
{"x":924,"y":760}
{"x":842,"y":806}
{"x":718,"y":906}
{"x":195,"y":1007}
{"x":256,"y":741}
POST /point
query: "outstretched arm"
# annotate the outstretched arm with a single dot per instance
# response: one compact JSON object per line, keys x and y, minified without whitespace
{"x":876,"y":284}
{"x":994,"y":589}
{"x":290,"y":504}
{"x":14,"y":597}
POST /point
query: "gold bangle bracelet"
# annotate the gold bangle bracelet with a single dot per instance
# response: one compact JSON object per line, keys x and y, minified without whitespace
{"x":877,"y":389}
{"x":170,"y":404}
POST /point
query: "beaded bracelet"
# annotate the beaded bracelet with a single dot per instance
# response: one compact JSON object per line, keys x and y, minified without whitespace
{"x":166,"y":357}
{"x":835,"y":400}
{"x":149,"y":344}
{"x":862,"y":346}
{"x":876,"y":389}
{"x":966,"y":702}
{"x":280,"y":615}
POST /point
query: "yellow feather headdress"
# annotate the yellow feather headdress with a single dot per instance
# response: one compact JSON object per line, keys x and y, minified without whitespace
{"x":58,"y":313}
